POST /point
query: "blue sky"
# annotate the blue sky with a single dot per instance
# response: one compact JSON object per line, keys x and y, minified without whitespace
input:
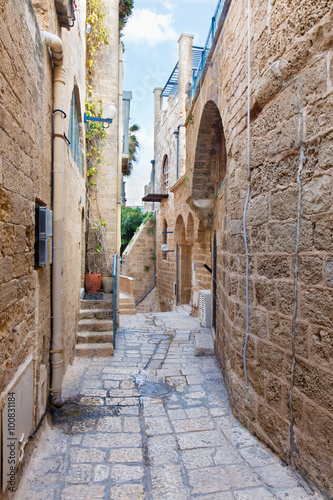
{"x":151,"y":52}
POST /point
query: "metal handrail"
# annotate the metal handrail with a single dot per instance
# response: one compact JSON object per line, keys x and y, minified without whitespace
{"x":222,"y":8}
{"x":115,"y":279}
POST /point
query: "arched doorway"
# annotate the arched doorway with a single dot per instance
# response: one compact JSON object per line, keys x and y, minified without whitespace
{"x":208,"y":196}
{"x":210,"y":165}
{"x":184,"y":263}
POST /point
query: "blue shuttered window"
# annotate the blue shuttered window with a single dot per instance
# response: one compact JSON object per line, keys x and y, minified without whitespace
{"x":74,"y":135}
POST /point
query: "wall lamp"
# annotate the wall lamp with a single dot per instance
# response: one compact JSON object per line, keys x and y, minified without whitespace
{"x":109,"y":112}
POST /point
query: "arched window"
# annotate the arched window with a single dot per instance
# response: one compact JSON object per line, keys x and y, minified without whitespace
{"x":165,"y":175}
{"x":74,"y":134}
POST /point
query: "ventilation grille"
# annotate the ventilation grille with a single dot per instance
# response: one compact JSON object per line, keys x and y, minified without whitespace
{"x":204,"y":307}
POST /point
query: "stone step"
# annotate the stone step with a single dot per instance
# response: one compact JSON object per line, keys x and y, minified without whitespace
{"x":128,"y":312}
{"x":90,"y":350}
{"x":127,"y":300}
{"x":95,"y":314}
{"x":94,"y":325}
{"x":96,"y":304}
{"x":127,"y":306}
{"x":95,"y":337}
{"x":204,"y":345}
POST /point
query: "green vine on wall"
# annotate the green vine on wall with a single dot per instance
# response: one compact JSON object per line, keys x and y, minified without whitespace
{"x":95,"y":131}
{"x":99,"y":34}
{"x":95,"y":135}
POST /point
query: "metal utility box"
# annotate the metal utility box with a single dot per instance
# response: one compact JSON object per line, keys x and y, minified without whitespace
{"x":43,"y":236}
{"x":16,"y":422}
{"x":205,"y":297}
{"x":66,"y":13}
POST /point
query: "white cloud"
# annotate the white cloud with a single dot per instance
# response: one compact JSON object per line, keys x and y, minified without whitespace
{"x":148,"y":27}
{"x":146,"y":138}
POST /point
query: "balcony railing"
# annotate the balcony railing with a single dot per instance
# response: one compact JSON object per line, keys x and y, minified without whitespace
{"x":218,"y":18}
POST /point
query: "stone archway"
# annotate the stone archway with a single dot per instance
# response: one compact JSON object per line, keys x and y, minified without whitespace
{"x":184,"y":262}
{"x":209,"y":165}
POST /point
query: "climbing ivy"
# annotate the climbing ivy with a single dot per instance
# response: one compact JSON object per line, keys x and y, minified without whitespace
{"x":99,"y":34}
{"x":95,"y":135}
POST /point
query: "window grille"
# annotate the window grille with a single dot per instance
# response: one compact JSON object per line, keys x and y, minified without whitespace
{"x":74,"y":135}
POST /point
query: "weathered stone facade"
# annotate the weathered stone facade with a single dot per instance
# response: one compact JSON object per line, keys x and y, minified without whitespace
{"x":176,"y":224}
{"x":138,"y":260}
{"x":288,"y":221}
{"x":26,"y":181}
{"x":105,"y":195}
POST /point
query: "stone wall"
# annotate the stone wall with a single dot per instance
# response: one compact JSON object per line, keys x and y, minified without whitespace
{"x":150,"y":304}
{"x":105,"y":194}
{"x":289,"y":222}
{"x":188,"y":238}
{"x":25,"y":181}
{"x":138,"y":260}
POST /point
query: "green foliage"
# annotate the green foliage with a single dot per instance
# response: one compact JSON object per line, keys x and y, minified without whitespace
{"x":133,"y":148}
{"x":131,"y":219}
{"x":99,"y":33}
{"x":125,"y":12}
{"x":149,"y":216}
{"x":146,"y":267}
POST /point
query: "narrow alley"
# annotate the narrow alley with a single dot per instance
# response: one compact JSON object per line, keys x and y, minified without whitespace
{"x":152,"y":422}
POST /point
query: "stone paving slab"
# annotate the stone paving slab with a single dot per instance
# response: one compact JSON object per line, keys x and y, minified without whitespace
{"x":113,"y":440}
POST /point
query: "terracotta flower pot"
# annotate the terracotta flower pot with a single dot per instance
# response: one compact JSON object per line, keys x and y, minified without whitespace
{"x":93,"y":282}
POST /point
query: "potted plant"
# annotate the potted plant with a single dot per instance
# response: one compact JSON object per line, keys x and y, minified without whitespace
{"x":96,"y":261}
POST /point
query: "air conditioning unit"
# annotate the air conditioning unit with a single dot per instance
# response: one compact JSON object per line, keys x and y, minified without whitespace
{"x":66,"y":13}
{"x":205,"y":299}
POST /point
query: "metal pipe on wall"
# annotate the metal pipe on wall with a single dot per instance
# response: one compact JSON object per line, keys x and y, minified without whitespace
{"x":56,"y":46}
{"x":176,"y":134}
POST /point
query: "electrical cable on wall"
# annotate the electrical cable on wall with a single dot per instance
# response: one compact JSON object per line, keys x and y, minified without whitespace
{"x":248,"y":189}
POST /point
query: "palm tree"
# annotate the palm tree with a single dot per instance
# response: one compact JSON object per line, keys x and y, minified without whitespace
{"x":133,"y":147}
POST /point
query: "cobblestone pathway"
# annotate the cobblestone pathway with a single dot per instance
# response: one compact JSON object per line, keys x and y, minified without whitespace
{"x":152,"y":422}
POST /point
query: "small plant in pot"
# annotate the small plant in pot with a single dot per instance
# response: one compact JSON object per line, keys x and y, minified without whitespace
{"x":96,"y":261}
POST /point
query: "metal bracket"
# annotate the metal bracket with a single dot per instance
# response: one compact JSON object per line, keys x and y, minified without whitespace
{"x":64,"y":137}
{"x":56,"y":351}
{"x":59,"y":111}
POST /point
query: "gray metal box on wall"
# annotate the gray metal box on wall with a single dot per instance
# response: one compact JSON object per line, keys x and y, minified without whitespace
{"x":65,"y":11}
{"x":16,"y":405}
{"x":205,"y":307}
{"x":43,"y":236}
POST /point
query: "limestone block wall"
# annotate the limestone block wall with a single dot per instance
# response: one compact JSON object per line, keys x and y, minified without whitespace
{"x":138,"y":260}
{"x":165,"y":145}
{"x":289,"y":222}
{"x":150,"y":304}
{"x":187,"y":235}
{"x":107,"y":88}
{"x":25,"y":181}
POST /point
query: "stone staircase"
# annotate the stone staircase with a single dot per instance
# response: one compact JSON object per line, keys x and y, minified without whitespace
{"x":95,"y":329}
{"x":126,"y":303}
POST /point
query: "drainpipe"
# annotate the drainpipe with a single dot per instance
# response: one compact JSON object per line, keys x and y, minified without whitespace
{"x":56,"y":46}
{"x":153,"y":172}
{"x":176,"y":134}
